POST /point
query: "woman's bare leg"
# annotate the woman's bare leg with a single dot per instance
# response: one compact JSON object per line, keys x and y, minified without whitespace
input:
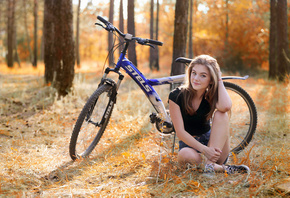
{"x":219,"y":137}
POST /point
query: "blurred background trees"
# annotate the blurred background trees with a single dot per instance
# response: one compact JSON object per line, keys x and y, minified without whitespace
{"x":245,"y":36}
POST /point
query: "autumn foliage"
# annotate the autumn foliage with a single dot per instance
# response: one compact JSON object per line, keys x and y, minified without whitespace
{"x":242,"y":43}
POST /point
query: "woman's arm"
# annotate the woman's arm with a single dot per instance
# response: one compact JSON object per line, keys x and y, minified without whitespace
{"x":224,"y":102}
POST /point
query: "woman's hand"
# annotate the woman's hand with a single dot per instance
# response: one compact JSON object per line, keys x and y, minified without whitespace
{"x":212,"y":154}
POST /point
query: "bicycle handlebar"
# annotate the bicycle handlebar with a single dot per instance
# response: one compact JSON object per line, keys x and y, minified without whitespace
{"x":110,"y":27}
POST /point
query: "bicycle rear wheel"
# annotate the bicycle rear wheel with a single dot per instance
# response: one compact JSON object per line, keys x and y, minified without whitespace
{"x":92,"y":122}
{"x":243,"y":117}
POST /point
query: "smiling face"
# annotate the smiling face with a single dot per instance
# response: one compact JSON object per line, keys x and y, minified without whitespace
{"x":200,"y":77}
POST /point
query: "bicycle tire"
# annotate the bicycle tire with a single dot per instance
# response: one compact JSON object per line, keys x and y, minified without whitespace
{"x":95,"y":108}
{"x":243,"y":117}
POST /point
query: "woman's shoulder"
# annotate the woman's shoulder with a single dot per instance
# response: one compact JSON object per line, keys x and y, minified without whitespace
{"x":174,"y":94}
{"x":176,"y":91}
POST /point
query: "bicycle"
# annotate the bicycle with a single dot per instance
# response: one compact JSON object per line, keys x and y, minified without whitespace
{"x":95,"y":115}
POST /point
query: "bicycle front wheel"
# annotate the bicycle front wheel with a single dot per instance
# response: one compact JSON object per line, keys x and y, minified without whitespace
{"x":243,"y":117}
{"x":92,"y":122}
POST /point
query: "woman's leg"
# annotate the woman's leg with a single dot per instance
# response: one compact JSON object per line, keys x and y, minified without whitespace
{"x":189,"y":155}
{"x":219,"y":136}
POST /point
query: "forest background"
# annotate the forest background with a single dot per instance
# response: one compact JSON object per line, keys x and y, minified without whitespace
{"x":36,"y":124}
{"x":236,"y":33}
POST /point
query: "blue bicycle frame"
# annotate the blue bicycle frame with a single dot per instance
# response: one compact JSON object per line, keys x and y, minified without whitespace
{"x":145,"y":84}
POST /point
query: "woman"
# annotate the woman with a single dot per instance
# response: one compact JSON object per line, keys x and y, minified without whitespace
{"x":192,"y":105}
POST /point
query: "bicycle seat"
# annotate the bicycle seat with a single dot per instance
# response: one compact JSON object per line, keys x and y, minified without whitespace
{"x":183,"y":60}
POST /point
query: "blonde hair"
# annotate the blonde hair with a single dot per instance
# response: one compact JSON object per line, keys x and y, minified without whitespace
{"x":211,"y":93}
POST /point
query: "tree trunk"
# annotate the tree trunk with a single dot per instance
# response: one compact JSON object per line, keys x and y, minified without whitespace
{"x":273,"y":41}
{"x":26,"y":31}
{"x":190,"y":44}
{"x":48,"y":41}
{"x":110,"y":35}
{"x":180,"y":32}
{"x":151,"y":57}
{"x":78,"y":35}
{"x":121,"y":22}
{"x":282,"y":41}
{"x":35,"y":33}
{"x":131,"y":30}
{"x":10,"y":32}
{"x":1,"y":38}
{"x":157,"y":35}
{"x":41,"y":48}
{"x":64,"y":46}
{"x":227,"y":26}
{"x":154,"y":53}
{"x":16,"y":55}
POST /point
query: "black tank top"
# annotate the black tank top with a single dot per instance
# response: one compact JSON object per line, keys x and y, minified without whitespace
{"x":195,"y":124}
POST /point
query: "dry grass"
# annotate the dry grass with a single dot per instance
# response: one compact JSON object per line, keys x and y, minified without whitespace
{"x":35,"y":129}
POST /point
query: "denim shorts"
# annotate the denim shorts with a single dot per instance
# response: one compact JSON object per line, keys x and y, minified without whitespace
{"x":203,"y":139}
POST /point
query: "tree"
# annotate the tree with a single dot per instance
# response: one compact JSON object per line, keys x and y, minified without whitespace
{"x":131,"y":30}
{"x":121,"y":21}
{"x":156,"y":37}
{"x":282,"y":40}
{"x":273,"y":41}
{"x":26,"y":30}
{"x":110,"y":35}
{"x":59,"y":53}
{"x":190,"y":43}
{"x":78,"y":35}
{"x":154,"y":53}
{"x":180,"y":34}
{"x":10,"y":32}
{"x":64,"y":46}
{"x":48,"y":42}
{"x":1,"y":19}
{"x":15,"y":54}
{"x":35,"y":33}
{"x":279,"y":65}
{"x":151,"y":62}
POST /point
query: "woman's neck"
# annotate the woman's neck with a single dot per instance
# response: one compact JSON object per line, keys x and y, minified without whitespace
{"x":199,"y":94}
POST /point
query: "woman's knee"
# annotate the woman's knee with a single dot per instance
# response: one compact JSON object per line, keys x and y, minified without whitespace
{"x":189,"y":155}
{"x":221,"y":116}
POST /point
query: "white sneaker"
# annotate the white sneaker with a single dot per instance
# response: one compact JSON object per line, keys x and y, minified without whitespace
{"x":230,"y":169}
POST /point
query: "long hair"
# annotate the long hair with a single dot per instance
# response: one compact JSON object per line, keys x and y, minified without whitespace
{"x":211,"y":94}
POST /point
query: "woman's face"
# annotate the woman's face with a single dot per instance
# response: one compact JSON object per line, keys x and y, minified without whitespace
{"x":200,"y":77}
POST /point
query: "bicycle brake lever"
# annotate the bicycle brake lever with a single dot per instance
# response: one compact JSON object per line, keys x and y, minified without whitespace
{"x":151,"y":46}
{"x":148,"y":45}
{"x":100,"y":25}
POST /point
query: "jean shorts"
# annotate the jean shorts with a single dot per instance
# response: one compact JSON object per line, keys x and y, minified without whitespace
{"x":203,"y":139}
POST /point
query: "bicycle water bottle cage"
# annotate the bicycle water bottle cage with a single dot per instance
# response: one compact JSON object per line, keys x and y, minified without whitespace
{"x":128,"y":37}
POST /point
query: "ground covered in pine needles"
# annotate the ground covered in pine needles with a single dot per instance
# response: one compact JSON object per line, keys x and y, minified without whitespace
{"x":35,"y":129}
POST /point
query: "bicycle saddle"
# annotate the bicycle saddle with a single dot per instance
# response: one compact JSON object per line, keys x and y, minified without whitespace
{"x":183,"y":60}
